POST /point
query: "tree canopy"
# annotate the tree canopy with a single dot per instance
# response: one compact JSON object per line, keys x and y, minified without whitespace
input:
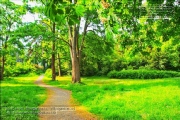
{"x":89,"y":37}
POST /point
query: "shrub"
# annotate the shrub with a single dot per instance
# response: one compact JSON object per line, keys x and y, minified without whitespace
{"x":64,"y":70}
{"x":48,"y":73}
{"x":89,"y":71}
{"x":18,"y":69}
{"x":142,"y":74}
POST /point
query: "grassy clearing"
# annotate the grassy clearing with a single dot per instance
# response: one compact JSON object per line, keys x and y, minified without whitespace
{"x":20,"y":98}
{"x":126,"y":99}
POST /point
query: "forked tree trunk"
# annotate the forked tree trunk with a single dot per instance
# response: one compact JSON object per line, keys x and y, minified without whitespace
{"x":74,"y":51}
{"x":76,"y":48}
{"x":53,"y":56}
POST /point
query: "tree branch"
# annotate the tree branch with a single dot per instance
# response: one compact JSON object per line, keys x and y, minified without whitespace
{"x":63,"y":40}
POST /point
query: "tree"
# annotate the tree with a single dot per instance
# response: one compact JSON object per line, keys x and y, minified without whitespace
{"x":71,"y":13}
{"x":10,"y":16}
{"x":130,"y":24}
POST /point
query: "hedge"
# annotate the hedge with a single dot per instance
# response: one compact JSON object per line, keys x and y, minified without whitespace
{"x":142,"y":74}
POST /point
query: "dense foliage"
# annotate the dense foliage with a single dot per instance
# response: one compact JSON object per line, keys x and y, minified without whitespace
{"x":89,"y":37}
{"x":22,"y":68}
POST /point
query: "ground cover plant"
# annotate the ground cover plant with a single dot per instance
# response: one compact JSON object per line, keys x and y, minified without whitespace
{"x":126,"y":98}
{"x":20,"y":98}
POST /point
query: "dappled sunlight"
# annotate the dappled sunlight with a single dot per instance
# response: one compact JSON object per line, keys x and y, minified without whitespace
{"x":133,"y":99}
{"x":20,"y":92}
{"x":118,"y":59}
{"x":64,"y":78}
{"x":146,"y":102}
{"x":13,"y":85}
{"x":19,"y":81}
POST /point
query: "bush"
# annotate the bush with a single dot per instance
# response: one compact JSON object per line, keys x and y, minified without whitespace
{"x":64,"y":70}
{"x":22,"y":69}
{"x":18,"y":69}
{"x":48,"y":73}
{"x":142,"y":74}
{"x":89,"y":71}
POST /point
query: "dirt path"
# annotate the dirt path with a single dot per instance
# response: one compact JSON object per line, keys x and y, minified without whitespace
{"x":59,"y":105}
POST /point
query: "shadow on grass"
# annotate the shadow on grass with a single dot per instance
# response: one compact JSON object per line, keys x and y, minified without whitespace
{"x":109,"y":84}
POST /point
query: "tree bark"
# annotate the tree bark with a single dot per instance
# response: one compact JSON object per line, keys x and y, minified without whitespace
{"x":2,"y":68}
{"x":59,"y":64}
{"x":53,"y":56}
{"x":3,"y":58}
{"x":1,"y":64}
{"x":75,"y":69}
{"x":74,"y":51}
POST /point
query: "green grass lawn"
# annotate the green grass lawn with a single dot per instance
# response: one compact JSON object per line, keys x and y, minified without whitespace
{"x":20,"y":98}
{"x":157,"y":99}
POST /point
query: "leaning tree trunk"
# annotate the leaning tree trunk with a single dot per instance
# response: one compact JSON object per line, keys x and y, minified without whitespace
{"x":53,"y":56}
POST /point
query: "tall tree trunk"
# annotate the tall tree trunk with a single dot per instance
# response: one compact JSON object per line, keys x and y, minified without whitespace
{"x":76,"y":49}
{"x":59,"y":64}
{"x":53,"y":56}
{"x":3,"y":58}
{"x":73,"y":33}
{"x":75,"y":69}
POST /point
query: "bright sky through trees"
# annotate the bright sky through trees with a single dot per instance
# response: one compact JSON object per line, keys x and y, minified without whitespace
{"x":139,"y":33}
{"x":29,"y":17}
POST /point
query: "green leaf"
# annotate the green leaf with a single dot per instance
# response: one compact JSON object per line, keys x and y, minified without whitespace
{"x":58,"y":1}
{"x":73,"y":19}
{"x":116,"y":29}
{"x":158,"y":43}
{"x":145,"y":53}
{"x":67,"y":10}
{"x":71,"y":22}
{"x":80,"y":9}
{"x":60,"y":19}
{"x":60,"y":11}
{"x":126,"y":11}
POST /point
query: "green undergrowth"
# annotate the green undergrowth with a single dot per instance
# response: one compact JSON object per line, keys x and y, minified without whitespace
{"x":20,"y":98}
{"x":120,"y":99}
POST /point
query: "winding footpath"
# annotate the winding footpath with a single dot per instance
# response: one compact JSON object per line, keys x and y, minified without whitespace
{"x":59,"y":105}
